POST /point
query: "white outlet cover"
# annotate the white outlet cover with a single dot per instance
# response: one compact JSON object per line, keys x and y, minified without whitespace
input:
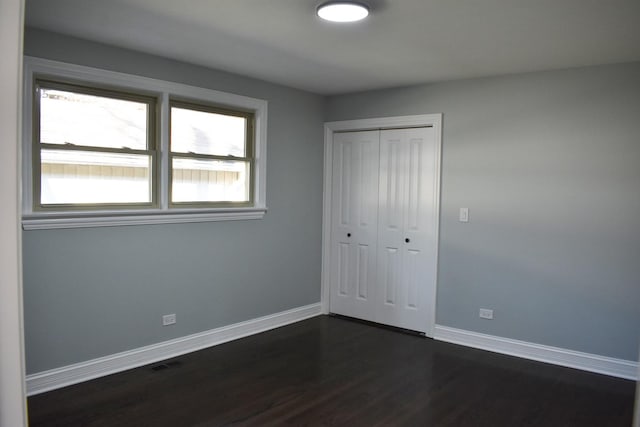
{"x":168,"y":319}
{"x":486,"y":313}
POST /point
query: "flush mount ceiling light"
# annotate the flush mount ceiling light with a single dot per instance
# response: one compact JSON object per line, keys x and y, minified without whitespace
{"x":342,"y":11}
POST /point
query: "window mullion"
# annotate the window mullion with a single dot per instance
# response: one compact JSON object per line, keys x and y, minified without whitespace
{"x":164,"y":180}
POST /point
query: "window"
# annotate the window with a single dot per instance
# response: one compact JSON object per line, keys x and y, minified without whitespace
{"x":92,"y":148}
{"x":104,"y":148}
{"x":211,"y":155}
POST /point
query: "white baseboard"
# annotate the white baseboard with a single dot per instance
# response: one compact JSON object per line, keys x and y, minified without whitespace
{"x":79,"y":372}
{"x":558,"y":356}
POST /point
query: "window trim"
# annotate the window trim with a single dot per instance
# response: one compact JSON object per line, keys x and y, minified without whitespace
{"x":164,"y":92}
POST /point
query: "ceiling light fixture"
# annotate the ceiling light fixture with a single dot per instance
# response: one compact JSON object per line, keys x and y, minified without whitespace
{"x":342,"y":11}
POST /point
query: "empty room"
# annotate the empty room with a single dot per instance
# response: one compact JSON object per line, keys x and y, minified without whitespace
{"x":370,"y":213}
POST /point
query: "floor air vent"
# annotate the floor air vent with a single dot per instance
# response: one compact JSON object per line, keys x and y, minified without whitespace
{"x":167,"y":365}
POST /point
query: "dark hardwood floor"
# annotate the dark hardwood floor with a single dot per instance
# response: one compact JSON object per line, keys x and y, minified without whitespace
{"x":333,"y":371}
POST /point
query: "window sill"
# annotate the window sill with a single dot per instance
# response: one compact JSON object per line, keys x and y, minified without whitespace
{"x":46,"y":221}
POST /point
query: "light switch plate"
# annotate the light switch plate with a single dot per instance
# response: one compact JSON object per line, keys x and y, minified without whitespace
{"x":464,"y":214}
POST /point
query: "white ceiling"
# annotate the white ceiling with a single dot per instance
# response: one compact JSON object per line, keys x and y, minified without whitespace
{"x":403,"y":42}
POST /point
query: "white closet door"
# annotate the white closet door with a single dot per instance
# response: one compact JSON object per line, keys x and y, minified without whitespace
{"x":354,"y":223}
{"x":407,"y":228}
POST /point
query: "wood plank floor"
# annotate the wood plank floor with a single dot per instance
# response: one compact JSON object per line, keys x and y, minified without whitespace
{"x":330,"y":371}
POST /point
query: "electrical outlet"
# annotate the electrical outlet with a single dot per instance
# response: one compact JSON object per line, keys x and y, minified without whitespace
{"x":168,"y":319}
{"x":485,"y":313}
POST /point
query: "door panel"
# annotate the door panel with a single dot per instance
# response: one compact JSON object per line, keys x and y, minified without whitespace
{"x":345,"y":183}
{"x":392,"y":191}
{"x":412,"y":300}
{"x":420,"y":220}
{"x":363,"y":271}
{"x":388,"y":275}
{"x":414,"y":184}
{"x":354,"y":235}
{"x":343,"y":269}
{"x":368,"y":182}
{"x":412,"y":176}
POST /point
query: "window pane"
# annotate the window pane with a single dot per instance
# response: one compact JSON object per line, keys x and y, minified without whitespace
{"x":83,"y":177}
{"x":207,"y":133}
{"x":209,"y":181}
{"x":95,"y":121}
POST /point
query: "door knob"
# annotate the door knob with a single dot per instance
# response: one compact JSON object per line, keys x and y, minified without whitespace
{"x":407,"y":240}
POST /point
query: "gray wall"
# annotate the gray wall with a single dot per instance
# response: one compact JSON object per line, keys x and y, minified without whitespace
{"x":549,"y":165}
{"x":94,"y":292}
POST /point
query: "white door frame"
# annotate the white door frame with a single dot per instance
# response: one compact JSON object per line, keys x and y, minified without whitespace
{"x":433,"y":120}
{"x":12,"y":386}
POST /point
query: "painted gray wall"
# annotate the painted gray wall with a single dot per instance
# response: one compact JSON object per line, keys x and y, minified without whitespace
{"x":549,"y":165}
{"x":98,"y":291}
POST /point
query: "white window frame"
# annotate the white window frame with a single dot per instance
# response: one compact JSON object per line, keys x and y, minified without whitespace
{"x":163,"y":91}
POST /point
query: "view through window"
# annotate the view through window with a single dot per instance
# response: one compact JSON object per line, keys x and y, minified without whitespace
{"x":210,"y":154}
{"x":95,"y":147}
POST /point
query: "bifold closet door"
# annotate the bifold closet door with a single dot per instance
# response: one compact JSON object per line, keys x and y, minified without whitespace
{"x":354,"y":223}
{"x":407,"y":232}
